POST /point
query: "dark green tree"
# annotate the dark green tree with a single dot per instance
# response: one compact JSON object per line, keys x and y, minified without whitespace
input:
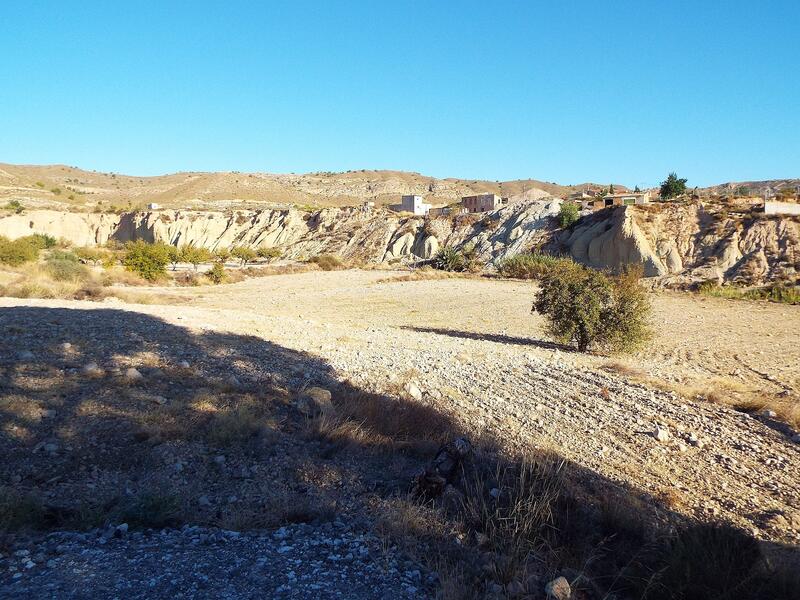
{"x":672,"y":186}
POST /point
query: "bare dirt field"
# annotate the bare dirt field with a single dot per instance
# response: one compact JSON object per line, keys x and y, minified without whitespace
{"x":472,"y":348}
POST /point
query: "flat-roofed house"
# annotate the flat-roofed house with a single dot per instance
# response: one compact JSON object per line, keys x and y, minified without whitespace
{"x":625,"y":199}
{"x":482,"y":202}
{"x":414,"y":204}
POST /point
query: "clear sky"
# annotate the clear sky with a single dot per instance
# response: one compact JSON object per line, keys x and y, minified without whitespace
{"x":567,"y":91}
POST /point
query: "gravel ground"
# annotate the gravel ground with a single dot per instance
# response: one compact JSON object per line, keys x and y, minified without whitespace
{"x":298,"y":561}
{"x":495,"y":372}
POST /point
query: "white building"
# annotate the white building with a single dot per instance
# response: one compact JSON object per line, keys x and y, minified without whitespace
{"x":414,"y":204}
{"x":153,"y":206}
{"x":781,"y":208}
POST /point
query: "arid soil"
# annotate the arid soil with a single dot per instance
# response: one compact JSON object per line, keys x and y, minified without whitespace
{"x":472,"y":347}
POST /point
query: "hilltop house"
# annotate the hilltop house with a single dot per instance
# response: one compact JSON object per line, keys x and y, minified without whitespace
{"x":624,"y":199}
{"x":153,"y":206}
{"x":413,"y":204}
{"x":482,"y":202}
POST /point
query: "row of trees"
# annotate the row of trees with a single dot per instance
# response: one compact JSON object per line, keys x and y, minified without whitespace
{"x":151,"y":260}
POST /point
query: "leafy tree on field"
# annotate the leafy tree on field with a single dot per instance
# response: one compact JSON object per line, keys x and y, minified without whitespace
{"x":222,"y":254}
{"x":194,"y":255}
{"x":174,"y":254}
{"x":636,"y":189}
{"x":244,"y":254}
{"x":148,"y":260}
{"x":611,"y":189}
{"x":591,"y":309}
{"x":568,"y":214}
{"x":269,"y":253}
{"x":672,"y":186}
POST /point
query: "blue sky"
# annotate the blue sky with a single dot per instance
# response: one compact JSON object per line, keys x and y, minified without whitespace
{"x":559,"y":91}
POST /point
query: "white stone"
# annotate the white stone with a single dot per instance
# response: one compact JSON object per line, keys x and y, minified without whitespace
{"x":412,"y":389}
{"x":559,"y":589}
{"x":132,"y":374}
{"x":661,"y":434}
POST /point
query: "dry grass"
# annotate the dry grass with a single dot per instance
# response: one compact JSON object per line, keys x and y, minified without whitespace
{"x":423,"y":274}
{"x":719,"y":390}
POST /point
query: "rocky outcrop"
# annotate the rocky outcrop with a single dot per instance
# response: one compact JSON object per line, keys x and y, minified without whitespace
{"x":677,"y":243}
{"x":687,"y":243}
{"x":81,"y":229}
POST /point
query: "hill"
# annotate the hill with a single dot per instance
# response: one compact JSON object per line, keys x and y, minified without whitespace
{"x":63,"y":187}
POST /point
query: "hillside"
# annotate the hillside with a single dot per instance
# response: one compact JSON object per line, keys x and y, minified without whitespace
{"x":679,"y":242}
{"x":63,"y":187}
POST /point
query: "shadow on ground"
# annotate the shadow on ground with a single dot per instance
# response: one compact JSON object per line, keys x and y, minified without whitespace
{"x":212,"y":434}
{"x":497,"y":338}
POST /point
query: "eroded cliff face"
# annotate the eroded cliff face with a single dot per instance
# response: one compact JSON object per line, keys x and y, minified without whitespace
{"x":364,"y":234}
{"x":688,"y":243}
{"x":676,"y":243}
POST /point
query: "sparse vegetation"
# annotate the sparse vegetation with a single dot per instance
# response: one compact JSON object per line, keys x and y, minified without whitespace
{"x":530,"y":266}
{"x":20,"y":251}
{"x":781,"y":293}
{"x":459,"y":261}
{"x":590,"y":309}
{"x":15,"y":206}
{"x":147,"y":260}
{"x":92,"y":255}
{"x":327,"y":262}
{"x":217,"y":273}
{"x":568,"y":214}
{"x":64,"y":266}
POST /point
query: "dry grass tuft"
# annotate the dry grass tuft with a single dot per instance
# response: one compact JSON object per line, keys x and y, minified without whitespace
{"x":423,"y":274}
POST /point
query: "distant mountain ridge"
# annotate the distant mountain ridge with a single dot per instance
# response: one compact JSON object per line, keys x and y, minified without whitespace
{"x":69,"y":188}
{"x":64,"y":187}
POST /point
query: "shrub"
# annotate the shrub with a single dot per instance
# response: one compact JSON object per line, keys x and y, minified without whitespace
{"x":19,"y":511}
{"x":217,"y":273}
{"x":705,"y":561}
{"x":588,"y":308}
{"x":327,"y":262}
{"x":41,"y":241}
{"x":64,"y":269}
{"x":450,"y":259}
{"x":269,"y":253}
{"x":529,"y":266}
{"x":15,"y":206}
{"x":152,"y":510}
{"x":244,"y":254}
{"x":92,"y":255}
{"x":17,"y":252}
{"x":147,"y":260}
{"x":568,"y":214}
{"x":781,"y":293}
